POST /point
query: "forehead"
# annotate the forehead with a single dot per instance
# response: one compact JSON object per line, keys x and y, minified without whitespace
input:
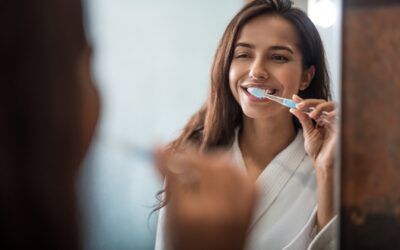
{"x":269,"y":30}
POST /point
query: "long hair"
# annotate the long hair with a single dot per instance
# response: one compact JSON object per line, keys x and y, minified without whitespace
{"x":39,"y":123}
{"x":214,"y":124}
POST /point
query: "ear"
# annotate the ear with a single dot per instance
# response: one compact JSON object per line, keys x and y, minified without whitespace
{"x":308,"y":75}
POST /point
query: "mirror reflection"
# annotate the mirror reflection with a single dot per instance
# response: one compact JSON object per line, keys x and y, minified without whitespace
{"x":188,"y":125}
{"x":149,"y":60}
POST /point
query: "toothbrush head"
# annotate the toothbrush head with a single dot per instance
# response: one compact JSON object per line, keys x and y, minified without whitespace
{"x":257,"y":92}
{"x":260,"y":93}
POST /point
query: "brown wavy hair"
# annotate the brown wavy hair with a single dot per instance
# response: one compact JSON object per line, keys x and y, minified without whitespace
{"x":214,"y":124}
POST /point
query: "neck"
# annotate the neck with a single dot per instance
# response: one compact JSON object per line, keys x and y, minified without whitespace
{"x":261,"y":140}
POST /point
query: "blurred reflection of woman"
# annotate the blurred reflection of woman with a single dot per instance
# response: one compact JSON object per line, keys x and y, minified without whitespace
{"x":289,"y":154}
{"x":48,"y":114}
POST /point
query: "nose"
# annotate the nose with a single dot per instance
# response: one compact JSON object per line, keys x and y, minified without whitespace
{"x":258,"y":70}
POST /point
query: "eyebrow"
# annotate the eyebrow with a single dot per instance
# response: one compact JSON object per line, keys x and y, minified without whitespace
{"x":275,"y":47}
{"x":246,"y":45}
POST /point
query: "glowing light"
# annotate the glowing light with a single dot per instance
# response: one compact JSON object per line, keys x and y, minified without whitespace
{"x":323,"y":13}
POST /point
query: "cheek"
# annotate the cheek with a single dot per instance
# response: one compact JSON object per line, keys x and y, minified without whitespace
{"x":234,"y":76}
{"x":291,"y":79}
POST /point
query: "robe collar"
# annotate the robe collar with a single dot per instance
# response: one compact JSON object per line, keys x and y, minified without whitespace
{"x":276,"y":174}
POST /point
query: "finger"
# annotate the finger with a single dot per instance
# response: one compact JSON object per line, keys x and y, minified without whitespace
{"x":297,"y":98}
{"x":171,"y":164}
{"x":179,"y":172}
{"x":309,"y":104}
{"x":305,"y":121}
{"x":322,"y":108}
{"x":192,"y":155}
{"x":312,"y":102}
{"x":160,"y":162}
{"x":187,"y":170}
{"x":321,"y":122}
{"x":332,"y":114}
{"x":330,"y":119}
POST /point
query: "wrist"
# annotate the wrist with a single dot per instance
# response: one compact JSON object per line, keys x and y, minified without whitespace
{"x":324,"y":171}
{"x":325,"y":193}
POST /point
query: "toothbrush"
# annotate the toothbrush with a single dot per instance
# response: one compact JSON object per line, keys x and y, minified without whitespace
{"x":146,"y":155}
{"x":261,"y":93}
{"x":139,"y":152}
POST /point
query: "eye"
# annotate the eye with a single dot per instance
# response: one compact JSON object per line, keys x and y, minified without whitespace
{"x":242,"y":55}
{"x":279,"y":58}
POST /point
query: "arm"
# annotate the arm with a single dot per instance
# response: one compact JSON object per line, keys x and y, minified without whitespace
{"x":320,"y":144}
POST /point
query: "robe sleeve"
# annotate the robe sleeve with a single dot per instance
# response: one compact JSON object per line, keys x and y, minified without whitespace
{"x":327,"y":238}
{"x":308,"y":237}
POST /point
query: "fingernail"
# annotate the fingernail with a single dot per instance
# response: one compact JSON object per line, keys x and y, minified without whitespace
{"x":313,"y":115}
{"x":296,"y":96}
{"x":300,"y":105}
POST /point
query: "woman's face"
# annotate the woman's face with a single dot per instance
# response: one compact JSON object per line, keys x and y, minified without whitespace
{"x":266,"y":55}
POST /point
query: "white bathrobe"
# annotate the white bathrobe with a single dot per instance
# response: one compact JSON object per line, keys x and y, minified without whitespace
{"x":285,"y":216}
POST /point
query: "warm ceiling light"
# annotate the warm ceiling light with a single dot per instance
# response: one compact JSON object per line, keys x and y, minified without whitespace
{"x":323,"y":13}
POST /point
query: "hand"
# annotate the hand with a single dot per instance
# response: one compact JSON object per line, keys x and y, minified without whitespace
{"x":209,"y":201}
{"x":320,"y":139}
{"x":320,"y":144}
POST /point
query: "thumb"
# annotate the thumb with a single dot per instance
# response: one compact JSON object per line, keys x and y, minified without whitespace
{"x":297,"y":98}
{"x":166,"y":165}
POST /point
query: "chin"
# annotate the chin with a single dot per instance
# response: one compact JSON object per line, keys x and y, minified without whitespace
{"x":262,"y":113}
{"x":256,"y":114}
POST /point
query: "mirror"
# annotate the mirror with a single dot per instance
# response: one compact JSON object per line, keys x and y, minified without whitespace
{"x":152,"y":62}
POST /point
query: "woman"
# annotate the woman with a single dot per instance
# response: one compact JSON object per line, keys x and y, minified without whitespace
{"x":272,"y":46}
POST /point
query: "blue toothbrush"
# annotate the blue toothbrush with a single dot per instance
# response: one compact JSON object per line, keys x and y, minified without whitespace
{"x":261,"y":93}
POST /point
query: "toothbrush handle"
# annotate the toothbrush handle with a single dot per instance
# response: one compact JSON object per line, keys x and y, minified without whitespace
{"x":289,"y":103}
{"x":292,"y":104}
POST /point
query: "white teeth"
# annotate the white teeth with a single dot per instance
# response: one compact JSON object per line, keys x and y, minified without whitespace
{"x":259,"y":92}
{"x":270,"y":91}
